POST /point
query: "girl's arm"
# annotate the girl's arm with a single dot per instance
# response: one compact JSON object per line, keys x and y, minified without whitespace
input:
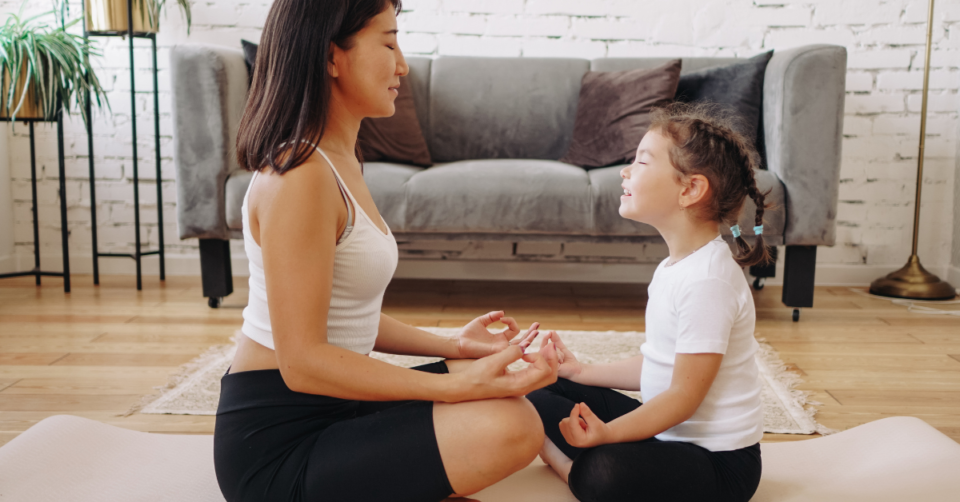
{"x":298,"y":246}
{"x":473,"y":342}
{"x":693,"y":374}
{"x":623,"y":374}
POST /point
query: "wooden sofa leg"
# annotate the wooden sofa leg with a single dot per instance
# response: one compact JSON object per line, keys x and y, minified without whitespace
{"x":216,"y":270}
{"x":800,"y":266}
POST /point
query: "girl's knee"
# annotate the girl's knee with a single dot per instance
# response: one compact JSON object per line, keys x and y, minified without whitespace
{"x":591,"y":477}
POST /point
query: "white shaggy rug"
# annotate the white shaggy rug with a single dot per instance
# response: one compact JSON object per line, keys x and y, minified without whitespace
{"x":196,"y":389}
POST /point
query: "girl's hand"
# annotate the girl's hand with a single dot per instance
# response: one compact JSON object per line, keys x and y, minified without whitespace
{"x":488,"y":378}
{"x":583,"y":429}
{"x":475,"y":341}
{"x":570,"y":367}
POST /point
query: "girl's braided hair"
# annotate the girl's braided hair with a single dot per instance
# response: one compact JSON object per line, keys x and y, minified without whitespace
{"x":704,"y":141}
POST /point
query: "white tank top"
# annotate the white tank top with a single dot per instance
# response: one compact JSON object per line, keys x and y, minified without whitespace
{"x":363,"y":264}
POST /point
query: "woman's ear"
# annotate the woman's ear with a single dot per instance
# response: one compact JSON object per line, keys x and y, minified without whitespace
{"x":694,"y":191}
{"x":332,"y":63}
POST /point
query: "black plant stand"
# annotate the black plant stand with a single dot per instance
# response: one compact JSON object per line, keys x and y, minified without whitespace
{"x":37,"y":272}
{"x":138,"y":253}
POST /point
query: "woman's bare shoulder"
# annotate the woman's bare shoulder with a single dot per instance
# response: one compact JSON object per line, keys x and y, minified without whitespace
{"x":310,"y":184}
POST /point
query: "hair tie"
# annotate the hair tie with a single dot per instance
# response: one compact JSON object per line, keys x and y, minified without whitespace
{"x":758,"y":229}
{"x":736,"y":231}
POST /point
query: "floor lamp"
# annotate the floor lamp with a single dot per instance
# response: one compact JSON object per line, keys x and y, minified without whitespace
{"x":913,"y":281}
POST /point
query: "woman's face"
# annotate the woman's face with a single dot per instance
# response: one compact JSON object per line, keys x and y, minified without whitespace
{"x":651,"y":185}
{"x":367,"y":74}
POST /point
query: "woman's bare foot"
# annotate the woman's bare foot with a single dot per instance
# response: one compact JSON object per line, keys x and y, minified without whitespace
{"x":552,"y":456}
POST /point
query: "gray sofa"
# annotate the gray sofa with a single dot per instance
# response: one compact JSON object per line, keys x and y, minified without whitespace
{"x":495,"y":127}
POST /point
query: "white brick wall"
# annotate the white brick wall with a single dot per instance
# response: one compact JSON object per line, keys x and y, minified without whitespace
{"x":885,"y":39}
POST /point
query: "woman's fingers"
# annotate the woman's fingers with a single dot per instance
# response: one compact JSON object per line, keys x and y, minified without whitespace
{"x":513,"y":329}
{"x":490,"y":318}
{"x":530,"y":336}
{"x":507,"y":356}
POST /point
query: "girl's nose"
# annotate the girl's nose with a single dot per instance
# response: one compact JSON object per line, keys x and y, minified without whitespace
{"x":623,"y":173}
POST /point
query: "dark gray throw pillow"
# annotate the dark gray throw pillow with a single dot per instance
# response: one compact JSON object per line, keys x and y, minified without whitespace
{"x":613,"y":113}
{"x":249,"y":57}
{"x":394,"y":139}
{"x":737,"y":87}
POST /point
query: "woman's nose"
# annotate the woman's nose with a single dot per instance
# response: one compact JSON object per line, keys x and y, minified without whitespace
{"x":402,"y":68}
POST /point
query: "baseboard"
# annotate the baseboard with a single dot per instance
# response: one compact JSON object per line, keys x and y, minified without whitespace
{"x":8,"y":264}
{"x":953,"y":276}
{"x":547,"y":271}
{"x":830,"y":274}
{"x":175,"y":264}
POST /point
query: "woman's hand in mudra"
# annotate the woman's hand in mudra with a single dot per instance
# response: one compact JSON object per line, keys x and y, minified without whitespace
{"x":475,"y":341}
{"x":489,"y":378}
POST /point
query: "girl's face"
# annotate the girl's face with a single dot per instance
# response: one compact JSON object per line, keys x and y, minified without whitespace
{"x":367,"y":74}
{"x":651,"y":184}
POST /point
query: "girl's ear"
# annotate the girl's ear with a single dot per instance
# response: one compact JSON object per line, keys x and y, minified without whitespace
{"x":694,"y":191}
{"x":332,"y":63}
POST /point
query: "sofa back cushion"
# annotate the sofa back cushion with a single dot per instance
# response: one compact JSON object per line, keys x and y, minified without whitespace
{"x":502,"y":108}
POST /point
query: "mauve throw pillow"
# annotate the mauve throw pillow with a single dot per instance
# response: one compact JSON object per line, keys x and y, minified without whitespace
{"x":397,"y":138}
{"x":737,"y":87}
{"x":393,"y":139}
{"x":613,"y":113}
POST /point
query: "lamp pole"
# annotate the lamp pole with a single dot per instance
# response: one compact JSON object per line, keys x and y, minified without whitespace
{"x":913,"y":281}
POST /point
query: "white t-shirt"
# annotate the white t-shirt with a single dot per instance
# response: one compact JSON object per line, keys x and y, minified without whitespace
{"x":702,"y":304}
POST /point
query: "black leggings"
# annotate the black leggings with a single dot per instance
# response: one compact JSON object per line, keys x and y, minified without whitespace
{"x":271,"y":443}
{"x":650,"y":470}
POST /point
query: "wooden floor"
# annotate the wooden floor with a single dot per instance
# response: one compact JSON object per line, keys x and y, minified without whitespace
{"x":96,"y":351}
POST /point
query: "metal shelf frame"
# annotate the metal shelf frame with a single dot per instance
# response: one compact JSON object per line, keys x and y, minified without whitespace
{"x":64,"y":232}
{"x":138,"y":253}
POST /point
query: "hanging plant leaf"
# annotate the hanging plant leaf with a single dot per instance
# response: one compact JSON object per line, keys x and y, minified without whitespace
{"x":44,"y":66}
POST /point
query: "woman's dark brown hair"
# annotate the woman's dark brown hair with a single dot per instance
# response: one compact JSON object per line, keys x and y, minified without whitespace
{"x":704,"y":142}
{"x":290,"y":92}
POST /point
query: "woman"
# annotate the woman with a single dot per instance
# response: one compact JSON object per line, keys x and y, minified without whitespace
{"x":304,"y":414}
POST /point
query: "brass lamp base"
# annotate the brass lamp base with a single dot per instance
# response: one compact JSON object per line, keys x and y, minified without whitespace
{"x":914,"y":282}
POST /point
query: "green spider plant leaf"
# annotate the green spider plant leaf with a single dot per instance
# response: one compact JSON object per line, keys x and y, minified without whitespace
{"x":50,"y":62}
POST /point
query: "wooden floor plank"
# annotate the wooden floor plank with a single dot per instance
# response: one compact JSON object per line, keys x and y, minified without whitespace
{"x":96,"y":351}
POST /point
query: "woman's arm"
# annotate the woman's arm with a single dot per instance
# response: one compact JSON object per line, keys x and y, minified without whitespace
{"x":396,"y":337}
{"x":693,"y":374}
{"x":297,"y":232}
{"x":474,"y":340}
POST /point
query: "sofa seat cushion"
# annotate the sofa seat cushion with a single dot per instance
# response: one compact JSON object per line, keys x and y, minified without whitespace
{"x":388,"y":186}
{"x":236,"y":190}
{"x":499,"y":196}
{"x":606,"y":188}
{"x":511,"y":196}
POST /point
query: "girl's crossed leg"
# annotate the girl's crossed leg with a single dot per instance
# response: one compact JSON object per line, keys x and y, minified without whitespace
{"x":648,"y":470}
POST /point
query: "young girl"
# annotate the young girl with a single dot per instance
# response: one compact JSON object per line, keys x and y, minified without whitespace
{"x":696,"y":436}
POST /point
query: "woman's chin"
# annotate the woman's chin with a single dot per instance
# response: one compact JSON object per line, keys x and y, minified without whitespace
{"x":385,"y":111}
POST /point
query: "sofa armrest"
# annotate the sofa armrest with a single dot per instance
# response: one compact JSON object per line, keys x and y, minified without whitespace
{"x":803,"y":96}
{"x":209,"y":93}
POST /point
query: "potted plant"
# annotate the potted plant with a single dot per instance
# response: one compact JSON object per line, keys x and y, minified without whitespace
{"x":109,"y":17}
{"x":43,"y":67}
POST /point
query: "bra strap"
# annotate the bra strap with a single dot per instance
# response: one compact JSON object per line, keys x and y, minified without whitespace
{"x":343,"y":192}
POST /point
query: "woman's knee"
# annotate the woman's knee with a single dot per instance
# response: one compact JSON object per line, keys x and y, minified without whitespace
{"x":517,"y":424}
